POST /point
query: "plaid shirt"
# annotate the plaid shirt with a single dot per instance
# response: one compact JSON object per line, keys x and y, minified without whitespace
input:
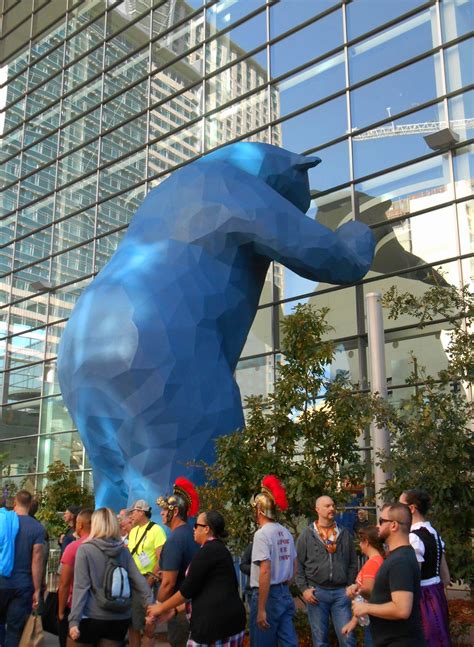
{"x":237,"y":640}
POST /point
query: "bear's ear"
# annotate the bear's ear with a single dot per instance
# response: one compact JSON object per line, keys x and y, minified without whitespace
{"x":307,"y":162}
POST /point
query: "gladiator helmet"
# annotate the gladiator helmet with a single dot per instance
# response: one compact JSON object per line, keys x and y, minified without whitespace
{"x":184,"y":498}
{"x":271,"y":498}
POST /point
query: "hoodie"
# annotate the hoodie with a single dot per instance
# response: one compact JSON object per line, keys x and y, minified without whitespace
{"x":316,"y":566}
{"x":89,"y":569}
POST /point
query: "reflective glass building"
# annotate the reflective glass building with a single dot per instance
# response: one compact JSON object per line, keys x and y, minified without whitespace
{"x":100,"y":100}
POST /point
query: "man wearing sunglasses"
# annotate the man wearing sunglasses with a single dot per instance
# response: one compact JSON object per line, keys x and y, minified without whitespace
{"x":394,"y":606}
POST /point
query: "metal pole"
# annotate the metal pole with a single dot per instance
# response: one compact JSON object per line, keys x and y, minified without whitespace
{"x":378,"y":385}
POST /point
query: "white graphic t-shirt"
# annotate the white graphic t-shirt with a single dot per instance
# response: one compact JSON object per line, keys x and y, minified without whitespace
{"x":273,"y":542}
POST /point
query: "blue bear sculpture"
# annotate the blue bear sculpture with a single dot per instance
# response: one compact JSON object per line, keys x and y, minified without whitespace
{"x":146,"y":362}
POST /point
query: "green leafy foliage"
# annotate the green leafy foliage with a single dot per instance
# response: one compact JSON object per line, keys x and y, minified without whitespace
{"x":431,"y":432}
{"x":61,"y":491}
{"x":308,"y":441}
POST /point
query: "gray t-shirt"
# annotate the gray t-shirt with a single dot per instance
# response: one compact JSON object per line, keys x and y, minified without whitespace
{"x":273,"y":542}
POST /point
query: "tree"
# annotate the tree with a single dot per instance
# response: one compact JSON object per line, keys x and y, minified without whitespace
{"x":305,"y":432}
{"x":431,"y":431}
{"x":61,"y":491}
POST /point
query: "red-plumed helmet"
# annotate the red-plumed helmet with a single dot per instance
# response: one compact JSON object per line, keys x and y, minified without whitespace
{"x":271,"y":498}
{"x":184,"y":497}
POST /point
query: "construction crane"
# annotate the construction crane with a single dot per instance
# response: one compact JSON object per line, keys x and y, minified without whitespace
{"x":425,"y":127}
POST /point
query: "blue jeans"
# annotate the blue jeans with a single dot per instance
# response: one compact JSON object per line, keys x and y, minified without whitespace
{"x":280,"y":610}
{"x":15,"y":607}
{"x":334,"y":603}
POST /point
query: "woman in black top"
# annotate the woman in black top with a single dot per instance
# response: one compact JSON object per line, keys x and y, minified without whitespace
{"x":210,"y":587}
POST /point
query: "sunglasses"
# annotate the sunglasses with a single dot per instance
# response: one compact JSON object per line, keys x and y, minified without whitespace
{"x":382,"y":521}
{"x":200,"y":525}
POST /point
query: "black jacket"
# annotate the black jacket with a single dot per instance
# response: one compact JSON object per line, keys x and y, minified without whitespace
{"x":317,"y":566}
{"x":211,"y":585}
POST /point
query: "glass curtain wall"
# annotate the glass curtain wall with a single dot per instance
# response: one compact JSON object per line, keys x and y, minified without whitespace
{"x":100,"y":100}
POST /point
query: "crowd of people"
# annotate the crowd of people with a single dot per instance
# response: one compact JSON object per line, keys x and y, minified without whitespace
{"x":123,"y":578}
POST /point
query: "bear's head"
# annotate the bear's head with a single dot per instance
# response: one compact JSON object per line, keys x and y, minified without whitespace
{"x":284,"y":171}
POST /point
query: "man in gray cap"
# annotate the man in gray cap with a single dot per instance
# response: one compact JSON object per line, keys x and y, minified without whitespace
{"x":144,"y":543}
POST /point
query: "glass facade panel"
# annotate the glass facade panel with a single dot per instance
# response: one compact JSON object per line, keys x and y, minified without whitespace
{"x":308,"y":43}
{"x":459,"y":68}
{"x":315,"y":82}
{"x":396,"y":92}
{"x":287,"y":14}
{"x":368,"y":14}
{"x":373,"y":153}
{"x":393,"y":45}
{"x":66,"y":448}
{"x":104,"y":103}
{"x":236,"y":42}
{"x":54,"y":416}
{"x":21,"y":455}
{"x":300,"y":133}
{"x":20,"y":419}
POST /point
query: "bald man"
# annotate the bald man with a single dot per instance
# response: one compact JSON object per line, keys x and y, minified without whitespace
{"x":327,"y":563}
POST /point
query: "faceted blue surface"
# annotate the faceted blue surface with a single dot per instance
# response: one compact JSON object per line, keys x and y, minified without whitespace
{"x":146,"y":362}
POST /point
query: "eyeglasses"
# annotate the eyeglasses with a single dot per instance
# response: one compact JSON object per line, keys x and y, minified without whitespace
{"x":382,"y":521}
{"x":200,"y":525}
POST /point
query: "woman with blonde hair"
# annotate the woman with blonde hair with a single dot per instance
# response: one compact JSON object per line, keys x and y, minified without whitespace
{"x":104,"y":577}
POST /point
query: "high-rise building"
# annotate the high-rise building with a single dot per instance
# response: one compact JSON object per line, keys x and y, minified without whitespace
{"x":100,"y":100}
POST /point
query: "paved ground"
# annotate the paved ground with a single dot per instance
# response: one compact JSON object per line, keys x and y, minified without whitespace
{"x":52,"y":641}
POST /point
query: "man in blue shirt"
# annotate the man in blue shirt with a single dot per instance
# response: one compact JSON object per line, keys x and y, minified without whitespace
{"x":20,"y":592}
{"x":177,"y":551}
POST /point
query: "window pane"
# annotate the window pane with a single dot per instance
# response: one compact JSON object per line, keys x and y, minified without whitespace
{"x":457,"y":18}
{"x":459,"y":68}
{"x":394,"y":45}
{"x":19,"y":419}
{"x":175,"y":149}
{"x":23,"y":383}
{"x":74,"y":230}
{"x":84,"y":40}
{"x":52,"y":343}
{"x":62,"y":303}
{"x":464,"y":171}
{"x":255,"y":376}
{"x":403,"y":191}
{"x":39,"y":214}
{"x":248,"y":114}
{"x":54,"y":416}
{"x":288,"y":13}
{"x":78,"y":163}
{"x":333,"y":170}
{"x":226,"y":12}
{"x":123,"y":174}
{"x":33,"y":248}
{"x":21,"y":455}
{"x":461,"y":115}
{"x":37,"y":185}
{"x":119,"y":77}
{"x":125,"y":106}
{"x":312,"y":84}
{"x":395,"y":143}
{"x":83,"y":70}
{"x":11,"y":143}
{"x":45,"y":68}
{"x":82,"y":100}
{"x":106,"y":247}
{"x":29,"y":313}
{"x":42,"y":153}
{"x":364,"y":16}
{"x":42,"y":124}
{"x":304,"y":131}
{"x":308,"y":43}
{"x":122,"y":139}
{"x":119,"y":210}
{"x":80,"y":131}
{"x":234,"y":81}
{"x":236,"y":42}
{"x":66,"y":448}
{"x":396,"y":92}
{"x":27,"y":347}
{"x":72,"y":265}
{"x":77,"y":196}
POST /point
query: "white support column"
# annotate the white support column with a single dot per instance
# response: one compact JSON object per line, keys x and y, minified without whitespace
{"x":378,"y":385}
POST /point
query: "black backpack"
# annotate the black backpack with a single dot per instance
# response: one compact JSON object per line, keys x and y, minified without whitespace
{"x":115,"y":594}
